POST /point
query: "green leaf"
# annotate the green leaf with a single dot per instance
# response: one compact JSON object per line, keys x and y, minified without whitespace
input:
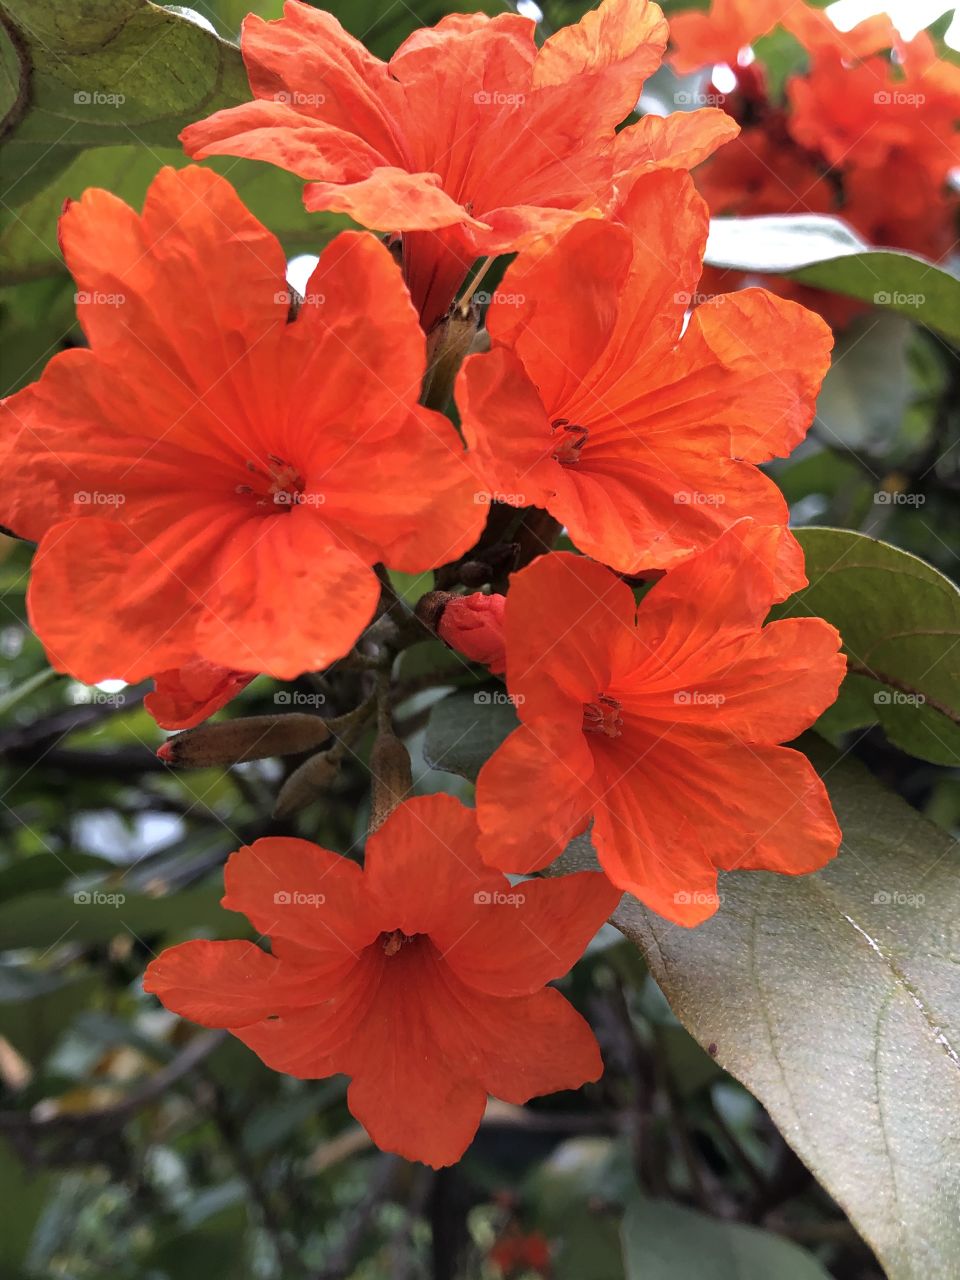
{"x":825,"y":252}
{"x":663,"y":1241}
{"x":900,"y":623}
{"x":834,"y":998}
{"x":465,"y":729}
{"x":43,"y":920}
{"x":107,"y":72}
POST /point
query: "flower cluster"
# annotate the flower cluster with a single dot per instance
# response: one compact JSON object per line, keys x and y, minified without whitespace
{"x":866,"y":132}
{"x":222,"y":479}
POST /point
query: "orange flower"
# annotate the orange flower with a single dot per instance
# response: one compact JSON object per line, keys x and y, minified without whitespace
{"x":420,"y":977}
{"x":661,"y":724}
{"x":186,"y":696}
{"x":470,"y":140}
{"x":592,"y":405}
{"x":518,"y":1252}
{"x":699,"y":39}
{"x":207,"y":480}
{"x":857,"y":115}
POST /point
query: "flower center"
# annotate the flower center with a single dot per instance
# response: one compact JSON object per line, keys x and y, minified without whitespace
{"x":568,"y":441}
{"x":392,"y":942}
{"x":603,"y":716}
{"x":277,"y":485}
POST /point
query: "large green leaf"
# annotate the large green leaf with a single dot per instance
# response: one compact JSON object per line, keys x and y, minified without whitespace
{"x":106,"y":72}
{"x":825,"y":252}
{"x":900,"y":623}
{"x":663,"y":1241}
{"x":834,"y":998}
{"x":466,"y":728}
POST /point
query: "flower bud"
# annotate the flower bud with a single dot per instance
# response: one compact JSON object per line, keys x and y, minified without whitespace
{"x":306,"y":783}
{"x":236,"y":741}
{"x":391,"y":777}
{"x":473,"y":626}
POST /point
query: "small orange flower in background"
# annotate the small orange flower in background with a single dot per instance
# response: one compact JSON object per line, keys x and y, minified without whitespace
{"x":518,"y":1252}
{"x":595,"y":404}
{"x":470,"y":140}
{"x":867,"y":132}
{"x":662,"y":724}
{"x":421,"y":977}
{"x":702,"y":39}
{"x":209,"y":481}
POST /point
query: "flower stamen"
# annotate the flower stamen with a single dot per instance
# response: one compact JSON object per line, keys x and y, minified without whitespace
{"x":569,"y":441}
{"x":603,"y":716}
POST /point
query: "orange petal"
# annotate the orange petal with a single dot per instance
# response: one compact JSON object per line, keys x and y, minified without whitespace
{"x":292,"y":889}
{"x":531,"y":933}
{"x":533,"y":796}
{"x":187,"y":695}
{"x":570,"y":626}
{"x":607,"y":54}
{"x":229,"y":984}
{"x":680,"y":140}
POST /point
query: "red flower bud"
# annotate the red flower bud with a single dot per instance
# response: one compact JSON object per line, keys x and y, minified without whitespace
{"x":473,"y":625}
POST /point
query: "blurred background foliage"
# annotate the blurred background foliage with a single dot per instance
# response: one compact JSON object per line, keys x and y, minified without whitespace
{"x":133,"y":1146}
